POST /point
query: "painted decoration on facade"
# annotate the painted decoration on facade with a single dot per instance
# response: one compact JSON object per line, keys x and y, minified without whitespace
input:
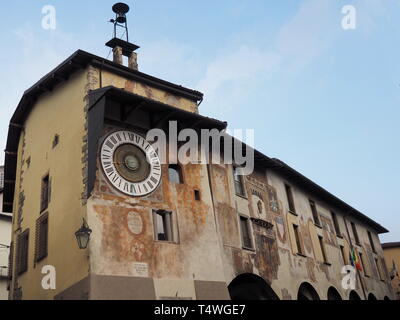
{"x":281,"y":229}
{"x":306,"y":236}
{"x":258,"y":205}
{"x":273,"y":200}
{"x":220,"y":184}
{"x":135,"y":223}
{"x":267,"y":260}
{"x":329,"y":230}
{"x":262,"y":227}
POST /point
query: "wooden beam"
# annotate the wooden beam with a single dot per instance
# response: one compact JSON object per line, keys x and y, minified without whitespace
{"x":160,"y":122}
{"x":134,"y":108}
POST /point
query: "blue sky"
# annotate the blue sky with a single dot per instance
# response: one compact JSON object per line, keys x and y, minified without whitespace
{"x":323,"y":99}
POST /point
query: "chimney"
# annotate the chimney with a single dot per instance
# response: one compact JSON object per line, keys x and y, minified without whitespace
{"x":119,"y":46}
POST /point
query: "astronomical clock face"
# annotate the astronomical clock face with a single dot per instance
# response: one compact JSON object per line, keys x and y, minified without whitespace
{"x":130,"y":163}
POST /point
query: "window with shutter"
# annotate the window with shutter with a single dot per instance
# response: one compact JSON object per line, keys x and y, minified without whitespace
{"x":22,"y":252}
{"x":41,"y":241}
{"x":246,"y":233}
{"x":45,"y":194}
{"x":10,"y":265}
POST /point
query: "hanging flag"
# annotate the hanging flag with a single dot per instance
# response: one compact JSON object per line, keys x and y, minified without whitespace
{"x":356,"y":261}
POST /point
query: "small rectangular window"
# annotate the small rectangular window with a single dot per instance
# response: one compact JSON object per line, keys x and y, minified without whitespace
{"x":163,"y":226}
{"x":314,"y":213}
{"x":289,"y":196}
{"x":10,"y":265}
{"x":336,"y":224}
{"x":345,"y":259}
{"x":246,"y":237}
{"x":22,"y":252}
{"x":41,"y":243}
{"x":371,"y":242}
{"x":175,"y":174}
{"x":239,"y":185}
{"x":363,"y":264}
{"x":56,"y":140}
{"x":379,"y":269}
{"x":197,"y":195}
{"x":45,"y":193}
{"x":356,"y":238}
{"x":297,"y":238}
{"x":321,"y":244}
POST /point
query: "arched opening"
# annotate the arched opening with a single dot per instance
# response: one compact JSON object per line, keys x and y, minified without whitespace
{"x":354,"y":296}
{"x":333,"y":294}
{"x":251,"y":287}
{"x":371,"y":297}
{"x":307,"y":292}
{"x":386,"y":298}
{"x":175,"y":174}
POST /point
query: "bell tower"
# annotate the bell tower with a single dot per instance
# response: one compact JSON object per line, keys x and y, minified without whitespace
{"x":121,"y":46}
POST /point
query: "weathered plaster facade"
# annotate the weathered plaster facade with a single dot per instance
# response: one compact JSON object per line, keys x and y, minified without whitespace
{"x":123,"y":260}
{"x":391,"y":252}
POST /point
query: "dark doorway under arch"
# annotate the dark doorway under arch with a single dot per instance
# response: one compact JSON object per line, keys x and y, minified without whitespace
{"x":386,"y":298}
{"x":371,"y":297}
{"x":307,"y":292}
{"x":333,"y":294}
{"x":354,"y":296}
{"x":251,"y":287}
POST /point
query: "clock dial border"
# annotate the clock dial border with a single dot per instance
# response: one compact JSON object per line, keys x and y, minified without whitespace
{"x":135,"y":189}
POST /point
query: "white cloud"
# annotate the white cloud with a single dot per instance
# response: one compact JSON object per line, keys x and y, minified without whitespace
{"x":243,"y":64}
{"x":299,"y":40}
{"x":170,"y":60}
{"x":37,"y":54}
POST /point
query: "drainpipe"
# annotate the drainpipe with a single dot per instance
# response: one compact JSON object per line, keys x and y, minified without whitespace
{"x":352,"y":249}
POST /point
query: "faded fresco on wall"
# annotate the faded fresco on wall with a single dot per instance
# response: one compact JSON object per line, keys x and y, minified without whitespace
{"x":281,"y":229}
{"x":267,"y":260}
{"x":273,"y":202}
{"x":328,"y":231}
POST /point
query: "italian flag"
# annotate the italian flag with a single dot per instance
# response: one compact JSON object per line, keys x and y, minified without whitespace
{"x":356,"y":261}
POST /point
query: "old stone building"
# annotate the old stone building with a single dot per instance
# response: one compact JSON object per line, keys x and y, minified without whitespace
{"x":391,"y":251}
{"x":76,"y":149}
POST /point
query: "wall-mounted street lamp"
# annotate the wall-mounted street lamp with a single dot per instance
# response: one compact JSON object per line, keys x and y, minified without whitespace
{"x":83,"y":235}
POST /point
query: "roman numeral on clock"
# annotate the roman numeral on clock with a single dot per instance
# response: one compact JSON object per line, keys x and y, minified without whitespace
{"x":109,"y":144}
{"x":111,"y":151}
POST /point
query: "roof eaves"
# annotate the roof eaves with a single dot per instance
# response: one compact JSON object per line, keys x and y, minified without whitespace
{"x":326,"y":195}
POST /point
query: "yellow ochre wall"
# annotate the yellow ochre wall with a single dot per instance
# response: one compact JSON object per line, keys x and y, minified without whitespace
{"x":393,"y":254}
{"x":58,"y":112}
{"x":109,"y":79}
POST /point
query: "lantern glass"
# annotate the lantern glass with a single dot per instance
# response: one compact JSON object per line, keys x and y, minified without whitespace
{"x":83,"y":236}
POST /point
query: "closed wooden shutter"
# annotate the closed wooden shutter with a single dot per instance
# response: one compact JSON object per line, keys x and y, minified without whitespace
{"x":22,"y":252}
{"x":10,"y":265}
{"x":41,"y":241}
{"x":44,"y":198}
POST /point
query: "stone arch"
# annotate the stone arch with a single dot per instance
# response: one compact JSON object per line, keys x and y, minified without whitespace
{"x":371,"y":296}
{"x":333,"y":294}
{"x":354,"y":296}
{"x":307,"y":292}
{"x":249,"y":286}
